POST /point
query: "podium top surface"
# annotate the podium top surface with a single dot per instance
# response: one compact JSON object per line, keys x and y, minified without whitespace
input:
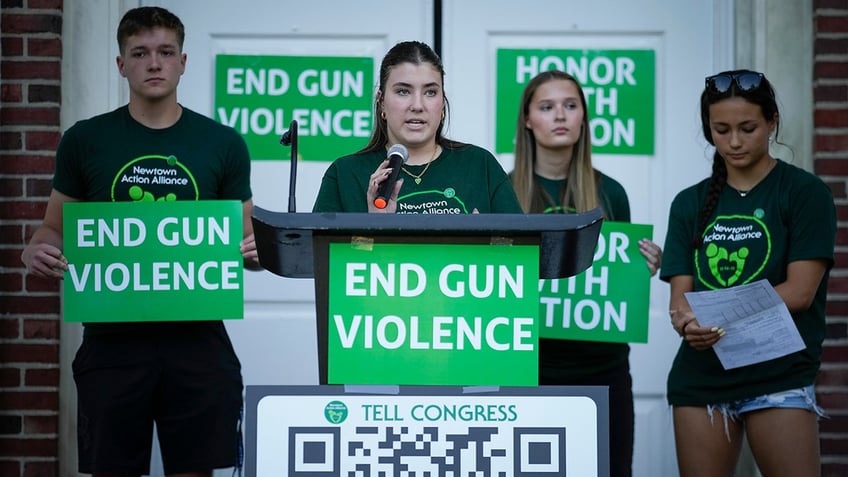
{"x":467,"y":224}
{"x":284,"y":239}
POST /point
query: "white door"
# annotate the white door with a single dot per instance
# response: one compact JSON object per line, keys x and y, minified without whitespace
{"x":688,"y":46}
{"x":276,"y":342}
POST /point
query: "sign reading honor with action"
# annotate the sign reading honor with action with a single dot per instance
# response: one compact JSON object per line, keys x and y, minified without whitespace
{"x":153,"y":261}
{"x":433,"y":314}
{"x":620,"y":87}
{"x":607,"y":302}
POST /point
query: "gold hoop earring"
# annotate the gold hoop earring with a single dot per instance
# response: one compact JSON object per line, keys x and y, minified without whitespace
{"x":383,"y":115}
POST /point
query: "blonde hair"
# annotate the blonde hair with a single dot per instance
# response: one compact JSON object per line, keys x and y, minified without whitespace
{"x":581,"y":189}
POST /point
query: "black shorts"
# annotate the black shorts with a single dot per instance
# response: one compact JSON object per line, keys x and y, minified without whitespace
{"x":621,"y":413}
{"x":185,"y":377}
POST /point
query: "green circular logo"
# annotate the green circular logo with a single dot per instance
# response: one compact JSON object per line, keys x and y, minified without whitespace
{"x":735,"y":252}
{"x":335,"y":412}
{"x":154,"y":178}
{"x":450,"y":192}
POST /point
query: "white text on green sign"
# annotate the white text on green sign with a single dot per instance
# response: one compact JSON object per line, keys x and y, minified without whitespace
{"x":607,"y":302}
{"x":619,"y":86}
{"x":153,"y":261}
{"x":329,"y":97}
{"x":446,"y":314}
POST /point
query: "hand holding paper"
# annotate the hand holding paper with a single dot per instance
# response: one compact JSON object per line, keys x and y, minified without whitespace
{"x":757,"y":323}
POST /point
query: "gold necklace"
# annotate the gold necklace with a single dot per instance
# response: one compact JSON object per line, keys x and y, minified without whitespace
{"x":744,"y":193}
{"x":418,"y":177}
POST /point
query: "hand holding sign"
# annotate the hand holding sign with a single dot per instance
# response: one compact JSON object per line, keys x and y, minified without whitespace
{"x":184,"y":253}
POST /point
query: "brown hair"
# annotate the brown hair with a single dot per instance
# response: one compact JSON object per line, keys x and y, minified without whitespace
{"x":417,"y":53}
{"x":580,"y":191}
{"x":147,"y":18}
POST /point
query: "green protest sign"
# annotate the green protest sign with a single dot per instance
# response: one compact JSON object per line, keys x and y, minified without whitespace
{"x":153,"y":261}
{"x":330,"y":97}
{"x":619,"y":86}
{"x":433,"y":314}
{"x":610,"y":300}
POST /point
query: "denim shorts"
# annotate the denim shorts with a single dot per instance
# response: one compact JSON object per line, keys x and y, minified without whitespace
{"x":798,"y":398}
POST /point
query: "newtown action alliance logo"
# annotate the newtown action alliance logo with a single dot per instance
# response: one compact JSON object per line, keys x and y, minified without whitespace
{"x":735,"y":250}
{"x":335,"y":412}
{"x":154,"y":178}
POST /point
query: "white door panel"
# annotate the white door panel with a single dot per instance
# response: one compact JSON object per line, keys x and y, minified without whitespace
{"x":276,"y":342}
{"x":280,"y":306}
{"x":687,"y":48}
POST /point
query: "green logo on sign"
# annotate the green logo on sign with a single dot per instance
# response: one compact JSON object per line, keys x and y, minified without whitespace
{"x":335,"y":412}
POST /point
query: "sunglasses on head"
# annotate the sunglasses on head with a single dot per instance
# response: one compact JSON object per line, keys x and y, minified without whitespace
{"x":745,"y":81}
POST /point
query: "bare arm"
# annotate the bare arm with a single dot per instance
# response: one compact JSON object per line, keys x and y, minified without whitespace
{"x":797,"y":291}
{"x":248,"y":245}
{"x":802,"y":280}
{"x":678,"y":308}
{"x":43,"y":255}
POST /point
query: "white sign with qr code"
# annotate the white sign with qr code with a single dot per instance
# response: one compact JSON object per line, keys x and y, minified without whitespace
{"x":426,"y":431}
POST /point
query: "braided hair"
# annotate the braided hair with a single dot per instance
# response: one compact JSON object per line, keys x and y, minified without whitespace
{"x":761,"y":95}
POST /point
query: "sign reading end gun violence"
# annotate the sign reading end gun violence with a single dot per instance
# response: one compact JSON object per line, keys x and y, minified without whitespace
{"x":433,"y":314}
{"x":329,"y":97}
{"x":153,"y":261}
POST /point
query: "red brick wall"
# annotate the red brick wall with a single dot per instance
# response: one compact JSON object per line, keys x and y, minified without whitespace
{"x":30,"y":80}
{"x":830,"y":144}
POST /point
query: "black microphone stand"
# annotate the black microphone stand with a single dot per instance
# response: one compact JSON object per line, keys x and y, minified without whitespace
{"x":289,"y":138}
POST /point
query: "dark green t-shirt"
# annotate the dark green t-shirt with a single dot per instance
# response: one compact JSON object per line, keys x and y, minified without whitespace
{"x":572,"y":360}
{"x":112,"y":157}
{"x":457,"y":182}
{"x":788,"y":216}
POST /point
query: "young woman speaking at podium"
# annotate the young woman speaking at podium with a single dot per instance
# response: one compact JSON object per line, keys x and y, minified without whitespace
{"x":439,"y":175}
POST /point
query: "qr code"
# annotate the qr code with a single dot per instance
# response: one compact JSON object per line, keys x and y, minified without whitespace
{"x":388,"y":451}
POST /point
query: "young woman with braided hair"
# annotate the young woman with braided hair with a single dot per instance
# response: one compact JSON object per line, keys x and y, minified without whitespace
{"x":757,"y":217}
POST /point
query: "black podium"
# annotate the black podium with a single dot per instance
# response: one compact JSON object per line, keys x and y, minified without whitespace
{"x":296,"y":245}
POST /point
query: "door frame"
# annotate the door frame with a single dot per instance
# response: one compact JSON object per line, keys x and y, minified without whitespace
{"x":773,"y":36}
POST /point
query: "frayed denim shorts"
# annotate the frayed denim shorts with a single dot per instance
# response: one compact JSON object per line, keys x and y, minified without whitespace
{"x":799,"y":398}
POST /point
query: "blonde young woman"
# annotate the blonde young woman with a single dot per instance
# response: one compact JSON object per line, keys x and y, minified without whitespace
{"x":554,"y":174}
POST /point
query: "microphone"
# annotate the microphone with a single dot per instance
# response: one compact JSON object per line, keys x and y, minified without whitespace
{"x":397,"y":158}
{"x":290,"y":139}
